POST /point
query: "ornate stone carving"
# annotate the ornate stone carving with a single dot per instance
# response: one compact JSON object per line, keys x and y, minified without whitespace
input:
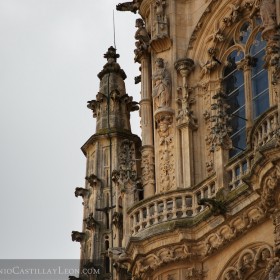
{"x":276,"y":223}
{"x":111,"y":66}
{"x":166,"y":158}
{"x":143,"y":40}
{"x":161,"y":85}
{"x":193,"y":273}
{"x":126,"y":175}
{"x":91,"y":223}
{"x":274,"y":273}
{"x":234,"y":14}
{"x":251,"y":263}
{"x":185,"y":100}
{"x":220,"y":119}
{"x":217,"y":207}
{"x":217,"y":35}
{"x":160,"y":40}
{"x":117,"y":219}
{"x":247,"y":63}
{"x":231,"y":274}
{"x":148,"y":166}
{"x":81,"y":192}
{"x":267,"y":10}
{"x":268,"y":201}
{"x":78,"y":236}
{"x":272,"y":60}
{"x":211,"y":63}
{"x":245,"y":263}
{"x":93,"y":180}
{"x":132,"y":6}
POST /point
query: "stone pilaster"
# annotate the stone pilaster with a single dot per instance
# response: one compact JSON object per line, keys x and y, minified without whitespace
{"x":186,"y":122}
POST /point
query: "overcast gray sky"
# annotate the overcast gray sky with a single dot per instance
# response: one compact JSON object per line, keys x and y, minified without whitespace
{"x":50,"y":54}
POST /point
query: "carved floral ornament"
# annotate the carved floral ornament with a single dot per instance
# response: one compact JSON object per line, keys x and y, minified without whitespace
{"x":126,"y":174}
{"x":164,"y":122}
{"x":185,"y":99}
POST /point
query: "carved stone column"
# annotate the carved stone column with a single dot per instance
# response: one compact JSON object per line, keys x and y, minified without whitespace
{"x":186,"y":123}
{"x":164,"y":133}
{"x":146,"y":110}
{"x":221,"y":141}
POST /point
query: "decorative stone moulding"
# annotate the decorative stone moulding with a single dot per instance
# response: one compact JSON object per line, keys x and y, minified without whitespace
{"x":162,"y":112}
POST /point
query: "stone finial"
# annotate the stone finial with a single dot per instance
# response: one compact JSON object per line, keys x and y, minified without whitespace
{"x":111,"y":66}
{"x":78,"y":236}
{"x":111,"y":54}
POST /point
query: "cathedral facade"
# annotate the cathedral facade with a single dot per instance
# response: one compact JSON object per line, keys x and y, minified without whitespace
{"x":197,"y":197}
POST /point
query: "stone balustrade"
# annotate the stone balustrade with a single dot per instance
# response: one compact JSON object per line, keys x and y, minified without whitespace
{"x":238,"y":169}
{"x":173,"y":205}
{"x":265,"y":128}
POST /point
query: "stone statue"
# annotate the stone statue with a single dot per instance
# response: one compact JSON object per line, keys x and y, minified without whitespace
{"x":143,"y":39}
{"x":161,"y":85}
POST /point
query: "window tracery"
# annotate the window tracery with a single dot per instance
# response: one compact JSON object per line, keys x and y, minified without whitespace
{"x":245,"y":81}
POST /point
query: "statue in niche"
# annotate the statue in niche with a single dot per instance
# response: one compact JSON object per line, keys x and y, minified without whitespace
{"x":161,"y":85}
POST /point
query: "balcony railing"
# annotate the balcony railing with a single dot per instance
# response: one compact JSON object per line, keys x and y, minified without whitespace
{"x":177,"y":204}
{"x":265,"y":129}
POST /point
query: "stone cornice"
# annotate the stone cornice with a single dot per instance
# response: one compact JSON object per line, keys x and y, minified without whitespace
{"x":114,"y":133}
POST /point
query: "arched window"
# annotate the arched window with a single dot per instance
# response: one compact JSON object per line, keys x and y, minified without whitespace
{"x":245,"y":82}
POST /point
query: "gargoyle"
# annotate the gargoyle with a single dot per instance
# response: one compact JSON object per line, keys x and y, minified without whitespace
{"x":217,"y":207}
{"x":129,"y":6}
